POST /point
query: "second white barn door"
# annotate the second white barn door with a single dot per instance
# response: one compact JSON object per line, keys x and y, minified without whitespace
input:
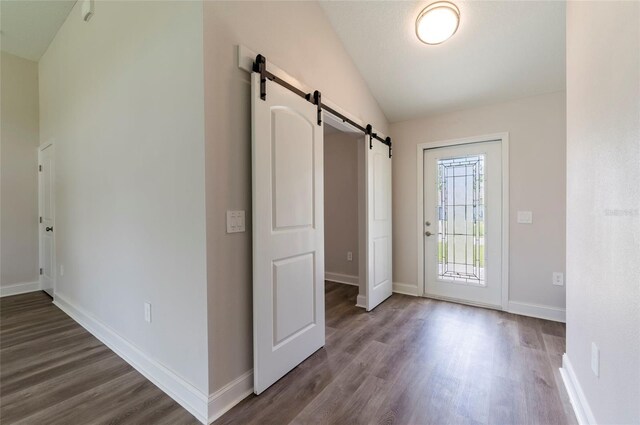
{"x":379,"y":284}
{"x":288,"y":232}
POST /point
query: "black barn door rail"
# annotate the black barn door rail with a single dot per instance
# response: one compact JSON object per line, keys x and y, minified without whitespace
{"x":260,"y":66}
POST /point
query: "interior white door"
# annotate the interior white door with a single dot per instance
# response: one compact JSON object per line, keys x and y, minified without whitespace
{"x":46,"y":202}
{"x":379,"y":272}
{"x":288,"y":232}
{"x":463,"y":223}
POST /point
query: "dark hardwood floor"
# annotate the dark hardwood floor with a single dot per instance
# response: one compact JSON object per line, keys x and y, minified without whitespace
{"x":52,"y":371}
{"x":410,"y":361}
{"x":420,"y":361}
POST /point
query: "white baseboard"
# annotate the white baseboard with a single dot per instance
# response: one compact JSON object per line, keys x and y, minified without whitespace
{"x":19,"y":288}
{"x":405,"y":288}
{"x":173,"y":385}
{"x":581,"y":408}
{"x":347,"y":279}
{"x":231,"y":394}
{"x":536,"y":310}
{"x":361,"y":301}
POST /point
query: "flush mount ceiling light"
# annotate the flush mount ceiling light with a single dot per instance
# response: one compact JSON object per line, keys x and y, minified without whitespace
{"x":437,"y":22}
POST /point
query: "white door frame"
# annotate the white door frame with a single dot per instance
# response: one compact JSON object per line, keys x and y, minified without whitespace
{"x":504,"y":142}
{"x":42,"y":147}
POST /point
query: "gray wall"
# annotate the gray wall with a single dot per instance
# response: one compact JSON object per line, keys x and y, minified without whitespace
{"x":19,"y":175}
{"x":603,"y":205}
{"x":341,"y":203}
{"x":122,"y":96}
{"x":537,"y":140}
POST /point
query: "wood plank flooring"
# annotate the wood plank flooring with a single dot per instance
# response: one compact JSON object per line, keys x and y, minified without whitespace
{"x":52,"y":371}
{"x":420,"y":361}
{"x":410,"y":361}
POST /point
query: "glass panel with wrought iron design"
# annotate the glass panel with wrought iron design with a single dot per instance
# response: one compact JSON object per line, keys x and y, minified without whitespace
{"x":461,"y":203}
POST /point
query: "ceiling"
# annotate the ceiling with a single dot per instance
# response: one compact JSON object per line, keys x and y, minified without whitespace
{"x":502,"y":50}
{"x":27,"y":27}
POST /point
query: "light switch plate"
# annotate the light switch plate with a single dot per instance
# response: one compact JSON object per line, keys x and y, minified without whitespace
{"x":525,"y":217}
{"x":235,"y":221}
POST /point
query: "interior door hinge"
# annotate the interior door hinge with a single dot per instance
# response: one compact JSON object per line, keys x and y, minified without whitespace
{"x":40,"y":270}
{"x":40,"y":219}
{"x":39,"y":167}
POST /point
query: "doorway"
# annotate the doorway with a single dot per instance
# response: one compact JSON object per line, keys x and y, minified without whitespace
{"x":463,"y":219}
{"x":46,"y":203}
{"x":344,"y":209}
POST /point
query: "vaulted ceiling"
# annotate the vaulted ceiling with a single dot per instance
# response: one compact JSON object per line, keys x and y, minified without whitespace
{"x":502,"y":50}
{"x":27,"y":27}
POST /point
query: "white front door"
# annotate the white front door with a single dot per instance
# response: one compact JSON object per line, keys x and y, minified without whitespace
{"x":288,"y":232}
{"x":463,"y":223}
{"x":46,"y":206}
{"x":379,"y":243}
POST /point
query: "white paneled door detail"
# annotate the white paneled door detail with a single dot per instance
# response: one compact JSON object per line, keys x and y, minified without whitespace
{"x":379,"y":273}
{"x":463,"y":223}
{"x":47,"y":228}
{"x":288,"y":232}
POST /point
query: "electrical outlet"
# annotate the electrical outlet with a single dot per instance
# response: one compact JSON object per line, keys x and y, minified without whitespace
{"x":595,"y":359}
{"x":147,"y":312}
{"x":558,"y":278}
{"x":525,"y":217}
{"x":349,"y":256}
{"x":61,"y":270}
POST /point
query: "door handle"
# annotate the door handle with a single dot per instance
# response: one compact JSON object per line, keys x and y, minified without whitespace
{"x":48,"y":229}
{"x":428,"y":233}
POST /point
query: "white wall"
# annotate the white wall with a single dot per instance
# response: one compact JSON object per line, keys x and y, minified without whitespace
{"x":341,"y":203}
{"x":19,"y":175}
{"x":603,"y":205}
{"x":123,"y":98}
{"x":536,"y":127}
{"x":298,"y":38}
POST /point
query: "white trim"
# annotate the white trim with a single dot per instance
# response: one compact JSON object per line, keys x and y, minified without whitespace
{"x":536,"y":310}
{"x":581,"y":408}
{"x":361,"y":301}
{"x":406,"y":289}
{"x":173,"y":385}
{"x":19,"y":288}
{"x":231,"y":394}
{"x":347,"y":279}
{"x":421,"y":147}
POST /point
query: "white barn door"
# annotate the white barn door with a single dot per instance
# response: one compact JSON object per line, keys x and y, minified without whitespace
{"x":379,"y":271}
{"x":288,"y":232}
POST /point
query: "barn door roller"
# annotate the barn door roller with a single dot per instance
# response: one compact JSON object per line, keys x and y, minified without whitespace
{"x":260,"y":66}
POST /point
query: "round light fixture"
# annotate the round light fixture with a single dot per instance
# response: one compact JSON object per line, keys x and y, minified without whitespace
{"x":437,"y":22}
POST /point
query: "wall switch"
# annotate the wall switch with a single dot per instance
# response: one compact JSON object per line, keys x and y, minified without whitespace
{"x":595,"y":359}
{"x":147,"y":312}
{"x":558,"y":278}
{"x":61,"y":270}
{"x":349,"y":256}
{"x":235,"y":221}
{"x":525,"y":217}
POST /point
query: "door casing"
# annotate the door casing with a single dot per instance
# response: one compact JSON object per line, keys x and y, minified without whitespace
{"x":504,"y":142}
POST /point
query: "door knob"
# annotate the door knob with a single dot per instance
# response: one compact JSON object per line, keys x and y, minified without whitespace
{"x":48,"y":229}
{"x":428,"y":233}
